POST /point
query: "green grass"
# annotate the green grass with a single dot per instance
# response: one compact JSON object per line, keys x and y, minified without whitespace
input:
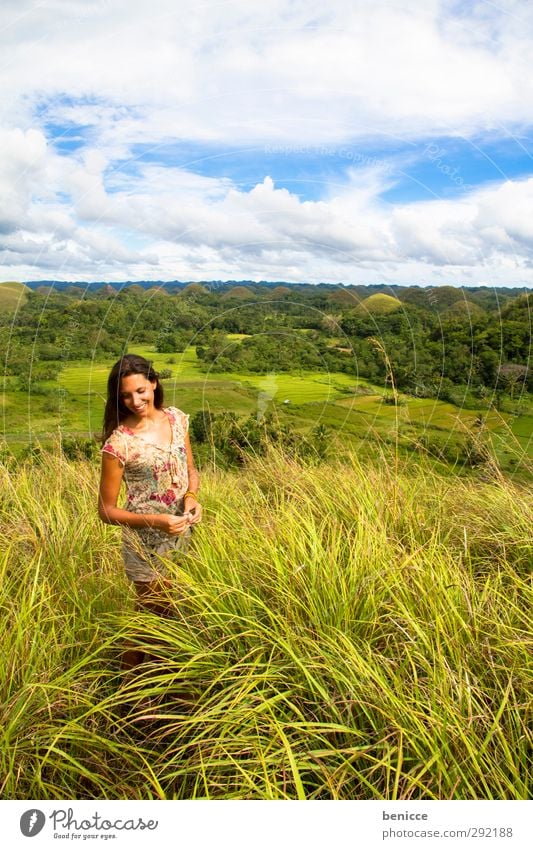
{"x":83,"y":378}
{"x":345,"y":631}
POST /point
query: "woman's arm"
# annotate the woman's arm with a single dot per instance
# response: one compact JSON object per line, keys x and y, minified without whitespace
{"x":110,"y":482}
{"x":191,"y":496}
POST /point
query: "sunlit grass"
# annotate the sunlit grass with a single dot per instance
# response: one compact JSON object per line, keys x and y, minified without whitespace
{"x":341,"y":631}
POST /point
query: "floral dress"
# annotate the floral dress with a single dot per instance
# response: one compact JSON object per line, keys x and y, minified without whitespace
{"x":156,"y":479}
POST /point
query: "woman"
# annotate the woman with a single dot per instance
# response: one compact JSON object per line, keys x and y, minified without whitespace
{"x":147,"y":446}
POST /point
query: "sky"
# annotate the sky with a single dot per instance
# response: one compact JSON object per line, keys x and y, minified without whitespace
{"x":354,"y":141}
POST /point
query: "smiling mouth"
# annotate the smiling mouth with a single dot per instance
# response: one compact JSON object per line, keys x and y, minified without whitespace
{"x":141,"y":407}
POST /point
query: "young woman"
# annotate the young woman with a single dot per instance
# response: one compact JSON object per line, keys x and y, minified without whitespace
{"x":147,"y":446}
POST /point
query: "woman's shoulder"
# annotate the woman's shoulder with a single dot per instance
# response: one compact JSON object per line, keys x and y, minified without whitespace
{"x":115,"y":444}
{"x":178,"y":416}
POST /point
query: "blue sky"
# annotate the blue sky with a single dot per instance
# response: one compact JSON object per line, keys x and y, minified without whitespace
{"x":361,"y":142}
{"x":423,"y":170}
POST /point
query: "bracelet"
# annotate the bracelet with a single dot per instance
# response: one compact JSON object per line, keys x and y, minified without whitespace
{"x":190,"y":494}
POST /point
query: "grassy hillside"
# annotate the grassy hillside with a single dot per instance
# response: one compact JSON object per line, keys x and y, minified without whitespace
{"x":340,"y":632}
{"x":379,"y":304}
{"x":12,"y":295}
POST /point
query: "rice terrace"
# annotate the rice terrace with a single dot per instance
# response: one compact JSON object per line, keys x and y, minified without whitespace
{"x":353,"y":615}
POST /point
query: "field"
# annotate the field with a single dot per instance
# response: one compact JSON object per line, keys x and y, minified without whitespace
{"x":355,"y":630}
{"x":355,"y":411}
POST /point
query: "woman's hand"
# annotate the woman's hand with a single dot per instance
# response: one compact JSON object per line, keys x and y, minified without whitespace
{"x":193,"y":509}
{"x":173,"y":525}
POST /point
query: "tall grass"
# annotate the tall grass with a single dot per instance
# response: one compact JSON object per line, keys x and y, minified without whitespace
{"x":339,"y":632}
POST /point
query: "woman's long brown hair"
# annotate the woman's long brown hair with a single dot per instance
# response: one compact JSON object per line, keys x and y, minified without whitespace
{"x":115,"y":410}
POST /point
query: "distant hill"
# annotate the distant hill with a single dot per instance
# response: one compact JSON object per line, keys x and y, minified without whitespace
{"x":135,"y":289}
{"x":463,"y":310}
{"x":239,"y":293}
{"x":437,"y":299}
{"x":378,"y":305}
{"x":76,"y":291}
{"x":519,"y":309}
{"x":158,"y":290}
{"x":344,"y":297}
{"x":12,"y":295}
{"x":445,"y":296}
{"x":279,"y":292}
{"x":194,"y":289}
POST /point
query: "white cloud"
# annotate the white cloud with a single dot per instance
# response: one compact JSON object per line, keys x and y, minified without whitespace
{"x":182,"y":225}
{"x":253,"y":73}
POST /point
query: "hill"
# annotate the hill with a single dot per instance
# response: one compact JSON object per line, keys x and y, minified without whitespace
{"x":464,"y":311}
{"x":239,"y":293}
{"x":344,"y":297}
{"x":135,"y":289}
{"x":444,"y":296}
{"x":12,"y":295}
{"x":279,"y":292}
{"x":379,"y":304}
{"x":193,"y":289}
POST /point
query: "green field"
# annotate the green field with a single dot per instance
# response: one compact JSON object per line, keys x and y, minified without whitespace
{"x":352,"y":408}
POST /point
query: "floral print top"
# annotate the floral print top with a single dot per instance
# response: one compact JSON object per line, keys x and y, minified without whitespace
{"x":155,"y":475}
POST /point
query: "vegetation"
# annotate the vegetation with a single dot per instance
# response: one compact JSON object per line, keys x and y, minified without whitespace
{"x":352,"y":620}
{"x":283,"y":349}
{"x":340,"y":631}
{"x":12,"y":296}
{"x":433,"y":341}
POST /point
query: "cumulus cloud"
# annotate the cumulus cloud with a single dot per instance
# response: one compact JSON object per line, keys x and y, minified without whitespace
{"x":113,"y":75}
{"x":179,"y":224}
{"x":269,"y":71}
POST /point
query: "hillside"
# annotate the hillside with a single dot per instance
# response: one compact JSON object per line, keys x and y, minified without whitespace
{"x":368,"y":645}
{"x":463,"y":310}
{"x":193,"y":289}
{"x":238,"y":293}
{"x":376,"y":305}
{"x":12,"y":295}
{"x":278,"y":292}
{"x":344,"y":297}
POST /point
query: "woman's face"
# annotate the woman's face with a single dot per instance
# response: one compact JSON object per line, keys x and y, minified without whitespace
{"x":137,"y":394}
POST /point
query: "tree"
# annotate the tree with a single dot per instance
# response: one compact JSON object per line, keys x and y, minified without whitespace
{"x":512,"y":376}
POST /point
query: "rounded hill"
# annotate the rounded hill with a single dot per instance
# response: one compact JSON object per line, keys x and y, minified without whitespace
{"x":194,"y":289}
{"x":379,"y":304}
{"x":445,"y":296}
{"x":134,"y":289}
{"x":345,"y":297}
{"x":278,"y":292}
{"x":238,"y":293}
{"x":158,"y":290}
{"x":13,"y":294}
